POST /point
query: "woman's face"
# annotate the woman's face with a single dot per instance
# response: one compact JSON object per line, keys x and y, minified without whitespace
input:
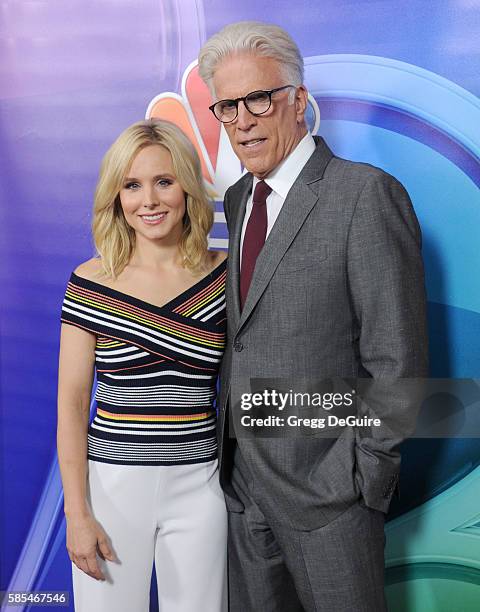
{"x":152,"y":200}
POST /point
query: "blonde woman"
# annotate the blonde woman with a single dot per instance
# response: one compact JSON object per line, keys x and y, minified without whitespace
{"x":148,"y":315}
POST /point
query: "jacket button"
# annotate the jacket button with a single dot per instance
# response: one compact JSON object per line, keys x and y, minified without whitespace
{"x":238,"y":346}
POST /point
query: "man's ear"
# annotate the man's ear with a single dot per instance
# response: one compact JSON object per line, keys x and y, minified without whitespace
{"x":301,"y":102}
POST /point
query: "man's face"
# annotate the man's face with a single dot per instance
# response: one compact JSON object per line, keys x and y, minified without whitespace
{"x":260,"y":142}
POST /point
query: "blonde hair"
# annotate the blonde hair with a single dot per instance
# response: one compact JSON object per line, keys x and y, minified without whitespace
{"x":113,"y":237}
{"x":256,"y":38}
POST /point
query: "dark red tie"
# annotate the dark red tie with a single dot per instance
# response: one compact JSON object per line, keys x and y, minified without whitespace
{"x":254,"y":238}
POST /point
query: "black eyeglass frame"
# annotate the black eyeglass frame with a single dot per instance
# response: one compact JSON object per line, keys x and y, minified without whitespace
{"x":269,"y":93}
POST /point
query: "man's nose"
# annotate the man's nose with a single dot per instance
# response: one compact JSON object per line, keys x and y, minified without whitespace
{"x":245,"y":119}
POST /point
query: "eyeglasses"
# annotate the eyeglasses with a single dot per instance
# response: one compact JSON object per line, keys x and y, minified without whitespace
{"x":256,"y":102}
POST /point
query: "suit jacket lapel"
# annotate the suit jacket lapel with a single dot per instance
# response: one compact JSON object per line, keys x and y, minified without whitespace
{"x":301,"y":198}
{"x":234,"y":247}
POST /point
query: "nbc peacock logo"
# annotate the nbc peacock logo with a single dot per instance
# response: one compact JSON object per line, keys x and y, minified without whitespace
{"x":220,"y":166}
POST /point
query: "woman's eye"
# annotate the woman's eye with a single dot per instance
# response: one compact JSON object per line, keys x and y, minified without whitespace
{"x":164,"y":182}
{"x":131,"y":186}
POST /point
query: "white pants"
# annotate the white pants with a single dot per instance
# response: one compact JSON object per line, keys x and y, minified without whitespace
{"x":174,"y":515}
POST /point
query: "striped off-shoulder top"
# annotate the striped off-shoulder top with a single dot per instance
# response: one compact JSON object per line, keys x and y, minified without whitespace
{"x":156,"y":370}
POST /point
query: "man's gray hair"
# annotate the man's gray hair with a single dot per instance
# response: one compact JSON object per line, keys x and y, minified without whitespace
{"x":256,"y":38}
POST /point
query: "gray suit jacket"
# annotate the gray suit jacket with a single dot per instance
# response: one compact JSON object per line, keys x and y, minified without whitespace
{"x":337,"y":291}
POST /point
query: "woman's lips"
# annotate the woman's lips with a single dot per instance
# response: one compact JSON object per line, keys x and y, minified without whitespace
{"x":154,"y":219}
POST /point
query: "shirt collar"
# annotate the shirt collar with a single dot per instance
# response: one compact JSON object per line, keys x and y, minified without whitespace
{"x":286,"y":173}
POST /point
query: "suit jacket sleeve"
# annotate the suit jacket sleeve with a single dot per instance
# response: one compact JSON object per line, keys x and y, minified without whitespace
{"x":386,"y":284}
{"x":226,"y":210}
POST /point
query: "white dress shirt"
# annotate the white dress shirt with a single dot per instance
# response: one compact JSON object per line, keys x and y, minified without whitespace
{"x":281,"y":181}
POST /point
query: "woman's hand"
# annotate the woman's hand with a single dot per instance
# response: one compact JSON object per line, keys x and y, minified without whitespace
{"x":85,"y":539}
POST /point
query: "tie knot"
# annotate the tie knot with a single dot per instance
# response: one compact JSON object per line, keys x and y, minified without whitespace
{"x":261,"y":193}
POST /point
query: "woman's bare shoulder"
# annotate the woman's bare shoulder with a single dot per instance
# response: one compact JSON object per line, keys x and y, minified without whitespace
{"x":217,"y":257}
{"x":90,"y":269}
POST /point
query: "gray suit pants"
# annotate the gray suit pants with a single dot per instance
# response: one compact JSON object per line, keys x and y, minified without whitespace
{"x":272,"y":568}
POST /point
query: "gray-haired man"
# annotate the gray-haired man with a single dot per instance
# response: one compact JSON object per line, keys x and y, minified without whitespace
{"x":325,"y":279}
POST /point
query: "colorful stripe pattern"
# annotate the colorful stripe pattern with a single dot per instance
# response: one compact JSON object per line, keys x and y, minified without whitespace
{"x":156,"y":370}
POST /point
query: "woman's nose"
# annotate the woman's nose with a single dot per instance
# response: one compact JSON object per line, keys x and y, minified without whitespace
{"x":150,"y":197}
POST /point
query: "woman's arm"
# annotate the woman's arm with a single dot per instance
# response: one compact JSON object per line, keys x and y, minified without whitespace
{"x":85,"y":536}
